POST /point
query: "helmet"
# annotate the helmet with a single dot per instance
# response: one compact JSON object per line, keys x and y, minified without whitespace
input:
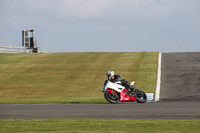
{"x":110,"y":74}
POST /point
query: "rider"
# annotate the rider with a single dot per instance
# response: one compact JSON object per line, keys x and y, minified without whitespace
{"x":114,"y":78}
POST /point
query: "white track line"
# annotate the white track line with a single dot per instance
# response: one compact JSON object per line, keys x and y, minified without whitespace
{"x":157,"y":93}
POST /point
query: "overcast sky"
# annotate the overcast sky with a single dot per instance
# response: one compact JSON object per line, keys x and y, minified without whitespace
{"x":103,"y":25}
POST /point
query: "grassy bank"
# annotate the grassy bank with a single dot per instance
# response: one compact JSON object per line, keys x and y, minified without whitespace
{"x":70,"y":77}
{"x":99,"y":125}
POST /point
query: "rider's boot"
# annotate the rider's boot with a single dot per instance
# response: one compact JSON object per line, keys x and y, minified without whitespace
{"x":131,"y":91}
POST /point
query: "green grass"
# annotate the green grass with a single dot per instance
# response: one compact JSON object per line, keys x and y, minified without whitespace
{"x":78,"y":77}
{"x":98,"y":125}
{"x":70,"y":77}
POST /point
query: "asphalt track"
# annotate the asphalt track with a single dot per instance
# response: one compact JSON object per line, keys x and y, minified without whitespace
{"x":179,"y":98}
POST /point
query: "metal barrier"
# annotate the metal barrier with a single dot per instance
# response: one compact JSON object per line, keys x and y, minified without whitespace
{"x":12,"y":49}
{"x":17,"y":49}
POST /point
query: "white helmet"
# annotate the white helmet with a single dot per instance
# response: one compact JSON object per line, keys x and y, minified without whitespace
{"x":110,"y":74}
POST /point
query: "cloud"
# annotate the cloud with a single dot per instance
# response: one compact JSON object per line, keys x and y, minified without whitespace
{"x":89,"y":9}
{"x":100,"y":21}
{"x":65,"y":8}
{"x":86,"y":9}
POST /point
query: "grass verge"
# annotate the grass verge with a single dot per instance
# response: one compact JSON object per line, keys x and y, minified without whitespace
{"x":98,"y":125}
{"x":70,"y":77}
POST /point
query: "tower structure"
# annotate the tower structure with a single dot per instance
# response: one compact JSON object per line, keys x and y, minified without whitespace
{"x":28,"y":39}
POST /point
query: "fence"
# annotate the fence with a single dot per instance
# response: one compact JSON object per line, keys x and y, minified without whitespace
{"x":12,"y":49}
{"x":17,"y":49}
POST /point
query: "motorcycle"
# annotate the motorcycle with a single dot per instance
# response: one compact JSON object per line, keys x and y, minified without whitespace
{"x":115,"y":93}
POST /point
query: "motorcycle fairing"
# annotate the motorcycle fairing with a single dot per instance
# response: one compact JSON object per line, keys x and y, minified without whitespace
{"x":113,"y":86}
{"x":124,"y":97}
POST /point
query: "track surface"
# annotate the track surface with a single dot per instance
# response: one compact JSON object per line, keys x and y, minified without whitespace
{"x":179,"y":99}
{"x":160,"y":110}
{"x":180,"y":79}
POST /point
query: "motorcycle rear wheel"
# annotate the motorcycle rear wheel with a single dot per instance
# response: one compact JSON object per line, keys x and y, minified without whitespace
{"x":111,"y":97}
{"x":141,"y":98}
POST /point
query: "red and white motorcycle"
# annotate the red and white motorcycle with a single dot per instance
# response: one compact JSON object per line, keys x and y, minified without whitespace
{"x":115,"y":93}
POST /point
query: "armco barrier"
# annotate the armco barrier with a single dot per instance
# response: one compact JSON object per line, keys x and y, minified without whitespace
{"x":12,"y":49}
{"x":16,"y":49}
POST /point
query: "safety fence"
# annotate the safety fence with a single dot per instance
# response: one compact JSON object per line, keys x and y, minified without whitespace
{"x":12,"y":49}
{"x":17,"y":49}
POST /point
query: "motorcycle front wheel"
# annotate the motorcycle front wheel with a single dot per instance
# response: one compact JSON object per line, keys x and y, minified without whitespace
{"x":111,"y":97}
{"x":141,"y":96}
